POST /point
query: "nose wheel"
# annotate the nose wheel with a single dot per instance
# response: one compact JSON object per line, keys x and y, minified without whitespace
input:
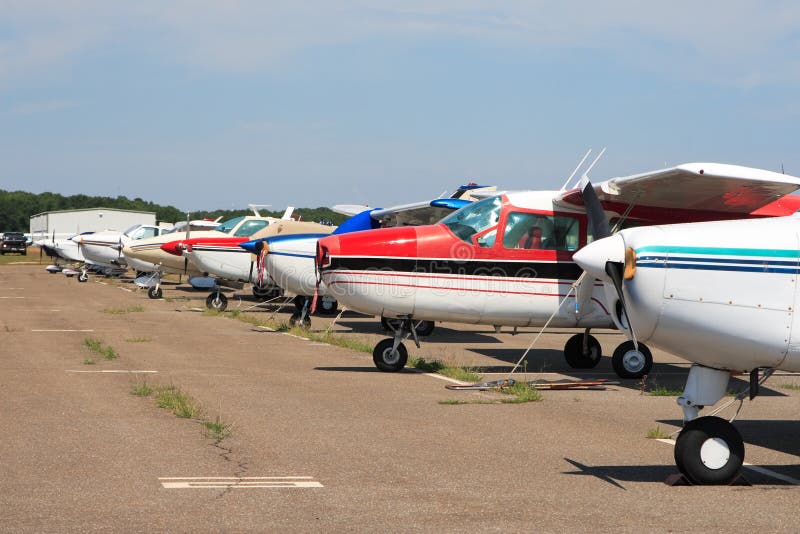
{"x":217,"y":301}
{"x":629,"y":361}
{"x":709,"y":450}
{"x":388,"y":357}
{"x":155,"y":292}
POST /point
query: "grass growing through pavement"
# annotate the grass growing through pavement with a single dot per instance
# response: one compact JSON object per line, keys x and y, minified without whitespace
{"x":89,"y":361}
{"x":96,"y":346}
{"x":463,"y":374}
{"x":519,"y":393}
{"x":142,"y":390}
{"x":177,"y":401}
{"x":120,"y":311}
{"x":138,"y":340}
{"x":663,"y":391}
{"x":657,"y":433}
{"x":793,"y":387}
{"x":217,"y":429}
{"x":184,"y":406}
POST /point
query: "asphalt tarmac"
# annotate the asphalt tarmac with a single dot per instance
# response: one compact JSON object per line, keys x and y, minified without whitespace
{"x":321,"y":440}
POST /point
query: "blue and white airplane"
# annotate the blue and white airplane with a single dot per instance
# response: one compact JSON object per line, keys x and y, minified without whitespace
{"x":289,"y":259}
{"x":723,"y":295}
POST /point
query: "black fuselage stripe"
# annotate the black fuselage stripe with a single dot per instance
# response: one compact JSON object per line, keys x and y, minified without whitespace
{"x":496,"y":268}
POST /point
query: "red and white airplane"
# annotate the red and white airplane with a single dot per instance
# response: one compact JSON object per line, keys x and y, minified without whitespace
{"x":507,"y":260}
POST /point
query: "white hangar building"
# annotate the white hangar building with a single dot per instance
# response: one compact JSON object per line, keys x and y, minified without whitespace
{"x":66,"y":223}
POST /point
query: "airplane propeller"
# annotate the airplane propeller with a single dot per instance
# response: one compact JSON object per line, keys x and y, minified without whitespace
{"x":615,"y":271}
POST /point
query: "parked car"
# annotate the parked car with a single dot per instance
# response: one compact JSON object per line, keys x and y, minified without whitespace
{"x":14,"y":242}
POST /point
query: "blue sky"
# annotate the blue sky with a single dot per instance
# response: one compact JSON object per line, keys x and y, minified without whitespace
{"x":207,"y":104}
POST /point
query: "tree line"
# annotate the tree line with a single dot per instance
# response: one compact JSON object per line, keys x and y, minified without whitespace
{"x":17,"y":207}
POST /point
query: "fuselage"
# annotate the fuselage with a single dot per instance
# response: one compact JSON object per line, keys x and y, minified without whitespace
{"x":224,"y":258}
{"x":721,"y":294}
{"x":506,"y":260}
{"x":105,"y":248}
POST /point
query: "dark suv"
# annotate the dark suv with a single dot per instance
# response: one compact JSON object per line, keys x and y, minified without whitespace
{"x":14,"y":242}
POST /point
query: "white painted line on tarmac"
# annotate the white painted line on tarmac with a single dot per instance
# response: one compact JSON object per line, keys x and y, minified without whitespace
{"x":126,"y":289}
{"x":446,"y":379}
{"x":239,"y":482}
{"x":118,"y":371}
{"x":62,"y":330}
{"x":292,"y":335}
{"x":12,"y":288}
{"x":756,"y":468}
{"x":321,"y":345}
{"x":12,"y":297}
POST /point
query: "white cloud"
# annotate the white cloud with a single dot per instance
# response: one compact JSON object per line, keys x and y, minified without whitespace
{"x":726,"y":42}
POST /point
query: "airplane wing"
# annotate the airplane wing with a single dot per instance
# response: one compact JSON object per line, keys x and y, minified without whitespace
{"x":418,"y":213}
{"x":349,"y":209}
{"x":692,"y":191}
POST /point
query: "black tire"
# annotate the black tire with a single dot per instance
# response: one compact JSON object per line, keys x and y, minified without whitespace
{"x":294,"y":320}
{"x":628,"y":363}
{"x":386,"y":360}
{"x":425,"y":328}
{"x":327,"y":306}
{"x":573,"y":352}
{"x":705,"y":466}
{"x":299,"y":301}
{"x":154,"y":293}
{"x":83,"y":277}
{"x":264,"y":293}
{"x":216,"y":301}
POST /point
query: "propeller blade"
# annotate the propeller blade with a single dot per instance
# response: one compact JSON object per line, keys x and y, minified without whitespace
{"x":594,"y":210}
{"x":614,"y":270}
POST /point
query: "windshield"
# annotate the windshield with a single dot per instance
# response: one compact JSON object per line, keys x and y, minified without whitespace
{"x":475,"y":218}
{"x":131,"y":229}
{"x":250,"y":227}
{"x":226,"y":226}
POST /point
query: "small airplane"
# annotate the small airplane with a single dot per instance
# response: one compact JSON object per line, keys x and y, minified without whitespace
{"x":289,"y":259}
{"x":508,"y":259}
{"x":104,"y":249}
{"x":61,"y":249}
{"x":232,"y":265}
{"x":722,"y":295}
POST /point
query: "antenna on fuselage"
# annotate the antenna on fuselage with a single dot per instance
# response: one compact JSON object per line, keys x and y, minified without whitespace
{"x":571,"y":176}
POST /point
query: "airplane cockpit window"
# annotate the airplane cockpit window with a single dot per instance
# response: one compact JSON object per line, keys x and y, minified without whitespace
{"x":129,"y":231}
{"x":250,"y":227}
{"x":539,"y":231}
{"x":474,"y":219}
{"x":148,"y":232}
{"x":226,"y":226}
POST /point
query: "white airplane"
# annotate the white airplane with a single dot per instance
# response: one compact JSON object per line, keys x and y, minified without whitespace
{"x":289,"y":259}
{"x":231,"y":265}
{"x":61,"y":249}
{"x":145,"y":252}
{"x":105,"y":248}
{"x":723,"y":295}
{"x":508,"y":259}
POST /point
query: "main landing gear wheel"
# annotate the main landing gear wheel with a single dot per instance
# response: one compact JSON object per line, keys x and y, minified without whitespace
{"x":327,"y":305}
{"x":264,"y":292}
{"x":389,"y":359}
{"x":217,"y":301}
{"x":155,"y":293}
{"x":709,"y":450}
{"x":631,"y":363}
{"x":299,"y":301}
{"x":295,"y":320}
{"x":575,"y":355}
{"x":83,"y":277}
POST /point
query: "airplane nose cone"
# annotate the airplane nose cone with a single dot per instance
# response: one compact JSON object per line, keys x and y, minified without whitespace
{"x":593,"y":257}
{"x":173,"y":247}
